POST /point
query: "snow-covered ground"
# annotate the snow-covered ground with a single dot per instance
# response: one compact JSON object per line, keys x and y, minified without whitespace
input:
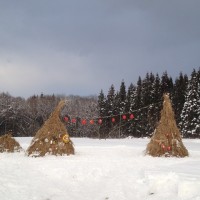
{"x":101,"y":170}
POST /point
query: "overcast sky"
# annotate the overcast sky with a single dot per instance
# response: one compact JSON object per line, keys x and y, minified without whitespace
{"x":82,"y":46}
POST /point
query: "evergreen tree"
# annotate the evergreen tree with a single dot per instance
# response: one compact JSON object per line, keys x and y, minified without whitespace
{"x":146,"y":90}
{"x":116,"y":106}
{"x":146,"y":100}
{"x":102,"y":113}
{"x":101,"y":104}
{"x":122,"y":108}
{"x":116,"y":130}
{"x":122,"y":96}
{"x":110,"y":101}
{"x":190,"y":116}
{"x":110,"y":111}
{"x":150,"y":98}
{"x":138,"y":129}
{"x":138,"y":93}
{"x":157,"y":90}
{"x":178,"y":95}
{"x":155,"y":105}
{"x":166,"y":83}
{"x":131,"y":94}
{"x":131,"y":98}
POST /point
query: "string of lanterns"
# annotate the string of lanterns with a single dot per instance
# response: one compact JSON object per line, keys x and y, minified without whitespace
{"x":113,"y":117}
{"x":99,"y":120}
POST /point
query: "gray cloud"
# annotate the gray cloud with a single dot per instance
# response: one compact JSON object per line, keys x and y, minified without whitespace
{"x":80,"y":47}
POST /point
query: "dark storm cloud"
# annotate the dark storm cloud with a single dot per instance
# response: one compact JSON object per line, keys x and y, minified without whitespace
{"x":80,"y":47}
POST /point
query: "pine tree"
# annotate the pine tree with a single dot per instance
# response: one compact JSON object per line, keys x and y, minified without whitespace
{"x":102,"y":113}
{"x":146,"y":90}
{"x":131,"y":109}
{"x":131,"y":98}
{"x":190,"y":116}
{"x":110,"y":101}
{"x":166,"y":83}
{"x":110,"y":111}
{"x":138,"y":129}
{"x":178,"y":95}
{"x":122,"y":109}
{"x":101,"y":104}
{"x":146,"y":100}
{"x":155,"y":104}
{"x":156,"y":89}
{"x":122,"y":96}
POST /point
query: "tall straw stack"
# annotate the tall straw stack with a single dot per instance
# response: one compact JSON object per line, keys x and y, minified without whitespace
{"x":52,"y":138}
{"x":166,"y":139}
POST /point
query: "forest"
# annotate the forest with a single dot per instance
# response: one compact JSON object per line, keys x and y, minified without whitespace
{"x":132,"y":111}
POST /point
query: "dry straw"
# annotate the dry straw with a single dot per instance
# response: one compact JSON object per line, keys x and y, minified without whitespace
{"x":166,"y":139}
{"x":9,"y":144}
{"x":52,"y":138}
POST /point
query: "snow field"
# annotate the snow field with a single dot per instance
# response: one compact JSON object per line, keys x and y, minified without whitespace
{"x":114,"y":169}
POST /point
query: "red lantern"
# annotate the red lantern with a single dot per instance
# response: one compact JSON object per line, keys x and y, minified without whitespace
{"x":131,"y":116}
{"x":66,"y":119}
{"x":169,"y":148}
{"x":84,"y":122}
{"x":74,"y":120}
{"x":100,"y":121}
{"x":91,"y":121}
{"x":124,"y":117}
{"x":113,"y":120}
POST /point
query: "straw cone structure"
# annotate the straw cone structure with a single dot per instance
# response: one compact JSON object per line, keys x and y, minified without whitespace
{"x":52,"y":138}
{"x":166,"y":139}
{"x":9,"y":144}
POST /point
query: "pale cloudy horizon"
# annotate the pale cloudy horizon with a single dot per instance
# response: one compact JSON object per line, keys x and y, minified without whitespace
{"x":80,"y":47}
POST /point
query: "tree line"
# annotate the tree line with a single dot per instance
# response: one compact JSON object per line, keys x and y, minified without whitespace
{"x":132,"y":111}
{"x":145,"y":100}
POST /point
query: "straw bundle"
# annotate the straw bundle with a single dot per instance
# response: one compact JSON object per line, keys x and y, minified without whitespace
{"x":9,"y":144}
{"x":52,"y":138}
{"x":166,"y":139}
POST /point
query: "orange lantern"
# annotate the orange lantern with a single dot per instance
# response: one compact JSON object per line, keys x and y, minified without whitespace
{"x":131,"y":116}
